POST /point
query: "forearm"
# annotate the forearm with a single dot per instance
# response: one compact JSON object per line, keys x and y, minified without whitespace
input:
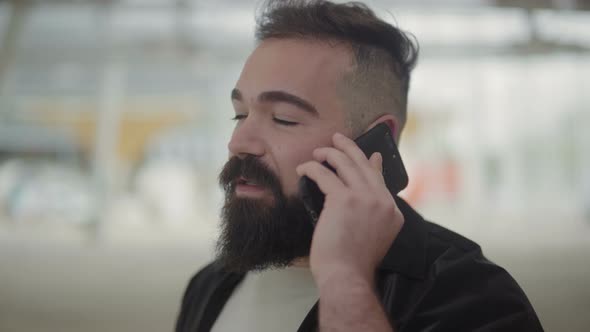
{"x":349,"y":303}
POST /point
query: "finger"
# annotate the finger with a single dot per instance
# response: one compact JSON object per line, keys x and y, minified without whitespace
{"x":346,"y":169}
{"x":376,"y":162}
{"x":327,"y":181}
{"x":352,"y":150}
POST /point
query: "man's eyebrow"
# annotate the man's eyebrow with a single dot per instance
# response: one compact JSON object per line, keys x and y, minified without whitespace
{"x":285,"y":97}
{"x":280,"y":97}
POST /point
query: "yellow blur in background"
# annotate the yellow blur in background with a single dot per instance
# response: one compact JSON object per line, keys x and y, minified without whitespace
{"x":115,"y":116}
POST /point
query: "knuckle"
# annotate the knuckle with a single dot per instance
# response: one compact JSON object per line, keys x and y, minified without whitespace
{"x":371,"y":203}
{"x":389,"y":207}
{"x":374,"y":204}
{"x":350,"y":200}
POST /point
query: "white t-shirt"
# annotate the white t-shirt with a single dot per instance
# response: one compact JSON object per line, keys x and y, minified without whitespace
{"x":269,"y":301}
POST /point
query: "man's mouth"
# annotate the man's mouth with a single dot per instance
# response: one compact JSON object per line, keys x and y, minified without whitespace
{"x":244,"y":181}
{"x":249,"y":187}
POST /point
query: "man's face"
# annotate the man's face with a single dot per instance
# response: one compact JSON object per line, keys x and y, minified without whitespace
{"x":286,"y":104}
{"x":306,"y":70}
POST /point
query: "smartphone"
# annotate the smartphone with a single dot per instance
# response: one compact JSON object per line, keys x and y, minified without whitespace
{"x":377,"y":139}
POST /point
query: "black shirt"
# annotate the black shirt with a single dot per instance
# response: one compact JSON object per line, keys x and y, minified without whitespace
{"x":431,"y":279}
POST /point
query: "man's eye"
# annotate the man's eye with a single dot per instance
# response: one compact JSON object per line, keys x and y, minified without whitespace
{"x":239,"y":117}
{"x":285,"y":123}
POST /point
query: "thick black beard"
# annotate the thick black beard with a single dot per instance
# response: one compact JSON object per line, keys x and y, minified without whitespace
{"x":257,"y":234}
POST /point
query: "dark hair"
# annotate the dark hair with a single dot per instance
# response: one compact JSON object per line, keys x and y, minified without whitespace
{"x":375,"y":43}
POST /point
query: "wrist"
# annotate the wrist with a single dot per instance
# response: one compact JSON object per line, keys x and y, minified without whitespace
{"x":340,"y":275}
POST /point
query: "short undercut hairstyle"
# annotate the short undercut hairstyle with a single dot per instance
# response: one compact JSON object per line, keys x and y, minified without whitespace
{"x":383,"y":55}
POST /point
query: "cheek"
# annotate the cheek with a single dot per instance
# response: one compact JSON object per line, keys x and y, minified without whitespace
{"x":289,"y":155}
{"x":294,"y":157}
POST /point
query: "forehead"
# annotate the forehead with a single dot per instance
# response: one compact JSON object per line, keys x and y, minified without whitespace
{"x":306,"y":68}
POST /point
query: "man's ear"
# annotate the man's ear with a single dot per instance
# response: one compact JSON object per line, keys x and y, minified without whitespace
{"x":391,"y":121}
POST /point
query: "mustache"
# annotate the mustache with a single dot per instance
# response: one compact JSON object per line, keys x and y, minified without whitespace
{"x":251,"y":168}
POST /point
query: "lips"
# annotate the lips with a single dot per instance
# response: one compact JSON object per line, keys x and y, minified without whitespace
{"x":247,"y":188}
{"x":245,"y":181}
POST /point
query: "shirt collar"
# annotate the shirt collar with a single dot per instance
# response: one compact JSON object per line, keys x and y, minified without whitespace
{"x":407,"y":254}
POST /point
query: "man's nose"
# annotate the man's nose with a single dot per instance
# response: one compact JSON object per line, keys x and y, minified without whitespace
{"x":246,"y":140}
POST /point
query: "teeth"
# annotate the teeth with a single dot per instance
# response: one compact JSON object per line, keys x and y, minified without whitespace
{"x":244,"y":181}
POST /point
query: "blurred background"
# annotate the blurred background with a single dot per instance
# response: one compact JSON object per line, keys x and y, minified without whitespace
{"x":115,"y":115}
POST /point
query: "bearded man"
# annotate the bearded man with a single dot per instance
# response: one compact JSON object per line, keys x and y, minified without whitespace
{"x":321,"y":75}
